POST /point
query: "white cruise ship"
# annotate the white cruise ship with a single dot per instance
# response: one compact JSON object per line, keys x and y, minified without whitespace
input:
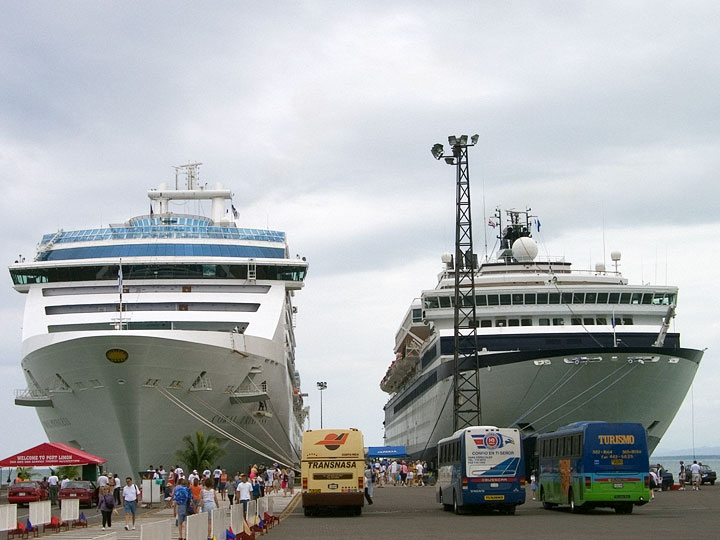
{"x":556,"y":346}
{"x":138,"y":334}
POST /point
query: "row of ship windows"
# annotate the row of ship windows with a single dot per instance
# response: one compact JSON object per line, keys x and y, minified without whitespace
{"x":157,"y":306}
{"x":205,"y":326}
{"x":655,"y":299}
{"x":143,"y":289}
{"x":554,"y":321}
{"x":26,"y":276}
{"x":161,"y":250}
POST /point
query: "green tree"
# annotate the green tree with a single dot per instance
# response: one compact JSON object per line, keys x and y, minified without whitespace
{"x":26,"y":473}
{"x":201,"y":451}
{"x":72,"y":472}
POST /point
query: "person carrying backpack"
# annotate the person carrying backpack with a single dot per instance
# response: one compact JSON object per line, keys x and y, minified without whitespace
{"x":181,"y":500}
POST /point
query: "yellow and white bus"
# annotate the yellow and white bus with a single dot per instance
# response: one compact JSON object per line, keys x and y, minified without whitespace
{"x":333,"y":468}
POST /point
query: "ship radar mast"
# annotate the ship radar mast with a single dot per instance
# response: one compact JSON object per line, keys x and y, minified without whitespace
{"x":191,"y":171}
{"x":519,"y":225}
{"x":193,"y":191}
{"x":466,"y":377}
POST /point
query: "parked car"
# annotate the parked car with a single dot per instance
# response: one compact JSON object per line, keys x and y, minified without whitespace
{"x":707,"y":475}
{"x":667,"y":480}
{"x":26,"y":492}
{"x":82,"y":490}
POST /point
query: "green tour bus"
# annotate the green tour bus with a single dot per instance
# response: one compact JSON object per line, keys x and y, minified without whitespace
{"x":594,"y":464}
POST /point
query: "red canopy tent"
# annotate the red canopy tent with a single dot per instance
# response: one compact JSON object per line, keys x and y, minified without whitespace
{"x":51,"y":454}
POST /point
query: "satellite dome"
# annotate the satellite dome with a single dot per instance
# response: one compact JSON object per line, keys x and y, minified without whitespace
{"x":524,"y":249}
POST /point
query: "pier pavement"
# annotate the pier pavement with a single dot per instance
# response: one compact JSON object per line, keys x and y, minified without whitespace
{"x":400,"y":513}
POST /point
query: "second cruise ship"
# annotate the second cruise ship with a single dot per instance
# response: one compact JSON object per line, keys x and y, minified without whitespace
{"x":556,"y":345}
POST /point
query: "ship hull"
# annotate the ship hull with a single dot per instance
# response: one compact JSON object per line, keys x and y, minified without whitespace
{"x":135,"y":412}
{"x":540,"y":391}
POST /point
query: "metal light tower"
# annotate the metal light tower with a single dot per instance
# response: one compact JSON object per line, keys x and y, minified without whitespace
{"x":466,"y":378}
{"x":321,"y":385}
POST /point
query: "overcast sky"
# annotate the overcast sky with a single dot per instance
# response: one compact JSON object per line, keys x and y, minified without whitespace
{"x":320,"y":117}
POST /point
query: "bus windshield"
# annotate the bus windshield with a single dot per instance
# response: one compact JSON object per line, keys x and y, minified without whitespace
{"x":492,"y":453}
{"x":616,"y":447}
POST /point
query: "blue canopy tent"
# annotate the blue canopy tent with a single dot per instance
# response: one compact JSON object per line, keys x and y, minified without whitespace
{"x":386,"y":452}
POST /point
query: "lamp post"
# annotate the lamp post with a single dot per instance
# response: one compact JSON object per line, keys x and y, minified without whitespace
{"x":321,"y":385}
{"x":466,"y":362}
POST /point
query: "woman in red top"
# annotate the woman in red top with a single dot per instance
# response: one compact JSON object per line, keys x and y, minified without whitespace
{"x":196,"y":490}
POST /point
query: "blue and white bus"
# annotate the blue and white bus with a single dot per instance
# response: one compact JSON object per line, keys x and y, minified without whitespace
{"x":594,"y":464}
{"x":481,"y":466}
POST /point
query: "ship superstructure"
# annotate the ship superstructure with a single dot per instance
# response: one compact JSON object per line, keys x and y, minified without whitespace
{"x":555,"y":345}
{"x":138,"y":334}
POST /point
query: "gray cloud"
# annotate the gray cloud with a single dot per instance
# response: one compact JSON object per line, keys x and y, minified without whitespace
{"x":320,"y":118}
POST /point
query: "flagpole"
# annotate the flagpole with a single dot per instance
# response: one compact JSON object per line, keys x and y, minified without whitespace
{"x":120,"y":290}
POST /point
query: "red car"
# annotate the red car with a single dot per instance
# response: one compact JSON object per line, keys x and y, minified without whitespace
{"x":82,"y":490}
{"x":26,"y":492}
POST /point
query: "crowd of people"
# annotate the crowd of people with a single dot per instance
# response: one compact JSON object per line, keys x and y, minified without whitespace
{"x":691,"y":475}
{"x":199,"y":493}
{"x":399,"y":473}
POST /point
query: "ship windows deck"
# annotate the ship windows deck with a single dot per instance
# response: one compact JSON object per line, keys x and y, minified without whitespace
{"x":569,"y":297}
{"x":147,"y":306}
{"x":136,"y":289}
{"x":283,"y":272}
{"x":204,"y":326}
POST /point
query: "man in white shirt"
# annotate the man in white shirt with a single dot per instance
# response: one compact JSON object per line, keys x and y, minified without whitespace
{"x":192,"y":477}
{"x":102,"y":481}
{"x":216,"y":476}
{"x":695,"y":471}
{"x":244,"y":492}
{"x":269,"y":480}
{"x":419,"y":473}
{"x":64,"y":482}
{"x":53,"y":483}
{"x":130,"y":494}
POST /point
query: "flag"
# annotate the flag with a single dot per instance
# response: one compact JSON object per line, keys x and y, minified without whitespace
{"x":491,"y":223}
{"x":234,"y":211}
{"x":229,"y":534}
{"x":261,"y":522}
{"x":82,"y":516}
{"x":538,"y":224}
{"x":28,"y":525}
{"x":246,"y":527}
{"x":120,"y":277}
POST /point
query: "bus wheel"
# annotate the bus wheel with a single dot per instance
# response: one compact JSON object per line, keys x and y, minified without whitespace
{"x":307,"y":510}
{"x":575,"y":509}
{"x":456,"y":507}
{"x":509,"y":510}
{"x":358,"y":510}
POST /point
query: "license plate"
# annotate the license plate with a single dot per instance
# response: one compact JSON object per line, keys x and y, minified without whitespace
{"x":618,"y":486}
{"x":73,"y":494}
{"x":313,"y":491}
{"x":494,"y":497}
{"x":332,"y":486}
{"x":21,"y":494}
